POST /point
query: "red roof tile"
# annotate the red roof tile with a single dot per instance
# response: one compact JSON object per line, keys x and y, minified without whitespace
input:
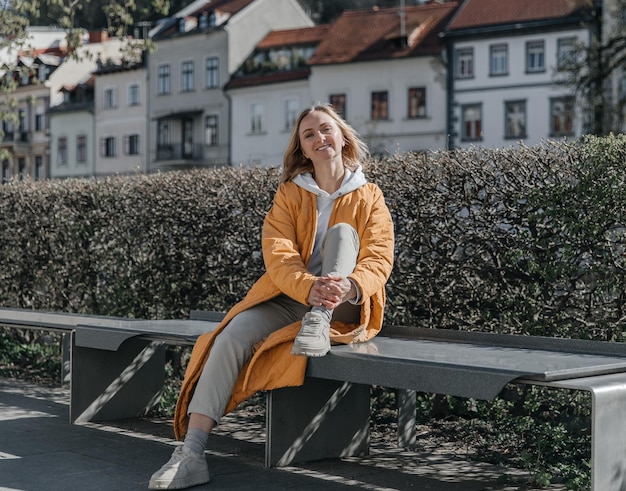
{"x":476,"y":13}
{"x":363,"y":35}
{"x":294,"y":37}
{"x":269,"y":78}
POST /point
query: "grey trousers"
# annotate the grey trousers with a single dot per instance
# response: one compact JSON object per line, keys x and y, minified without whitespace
{"x":233,"y":347}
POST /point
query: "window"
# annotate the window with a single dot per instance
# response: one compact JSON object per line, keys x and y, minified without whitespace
{"x":21,"y":168}
{"x":498,"y":60}
{"x":566,"y":52}
{"x":5,"y":171}
{"x":22,"y":121}
{"x":42,"y":73}
{"x":39,"y":122}
{"x":465,"y":63}
{"x":131,"y":145}
{"x":186,"y":76}
{"x":39,"y":167}
{"x":380,"y":105}
{"x":212,"y":74}
{"x":472,"y":122}
{"x":81,"y":148}
{"x":338,"y":101}
{"x":292,"y":107}
{"x":110,"y":99}
{"x":535,"y":57}
{"x":515,"y":119}
{"x":182,"y":24}
{"x":133,"y":95}
{"x":163,"y":83}
{"x":62,"y":151}
{"x":107,"y":146}
{"x":210,"y":130}
{"x":203,"y":21}
{"x":561,"y":116}
{"x":417,"y":102}
{"x":163,"y":133}
{"x":257,"y":123}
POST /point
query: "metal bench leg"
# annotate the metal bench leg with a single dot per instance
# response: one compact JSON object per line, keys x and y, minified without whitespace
{"x":108,"y":385}
{"x":407,"y":400}
{"x":66,"y":350}
{"x":608,"y":428}
{"x":319,"y":420}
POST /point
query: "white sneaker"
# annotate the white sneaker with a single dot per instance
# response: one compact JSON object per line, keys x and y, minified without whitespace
{"x":183,"y":470}
{"x":314,"y":336}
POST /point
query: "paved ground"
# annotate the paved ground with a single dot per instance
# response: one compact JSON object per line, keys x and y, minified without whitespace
{"x":41,"y":451}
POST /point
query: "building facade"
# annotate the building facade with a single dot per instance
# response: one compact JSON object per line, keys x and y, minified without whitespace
{"x":503,"y":60}
{"x":197,"y":50}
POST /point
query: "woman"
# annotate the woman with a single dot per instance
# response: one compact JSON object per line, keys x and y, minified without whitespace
{"x":328,"y":250}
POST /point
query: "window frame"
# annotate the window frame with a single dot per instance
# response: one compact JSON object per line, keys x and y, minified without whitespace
{"x":134,"y":95}
{"x":131,"y":144}
{"x":464,"y":63}
{"x":568,"y":110}
{"x":211,"y":131}
{"x":415,"y":108}
{"x":291,"y":111}
{"x":109,"y":98}
{"x":212,"y":72}
{"x":62,"y":157}
{"x":187,"y":76}
{"x":257,"y":118}
{"x":511,"y":135}
{"x":379,"y":105}
{"x":536,"y":50}
{"x":164,"y":79}
{"x":494,"y":60}
{"x":477,"y":133}
{"x":339,"y":103}
{"x":108,"y":147}
{"x":81,"y":149}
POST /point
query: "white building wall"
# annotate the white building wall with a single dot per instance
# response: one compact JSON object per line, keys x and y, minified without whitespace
{"x":255,"y":21}
{"x":398,"y":134}
{"x":125,"y":120}
{"x":70,"y":125}
{"x":266,"y":147}
{"x":492,"y":92}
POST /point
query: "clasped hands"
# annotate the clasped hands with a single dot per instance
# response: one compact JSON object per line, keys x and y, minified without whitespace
{"x":330,"y":291}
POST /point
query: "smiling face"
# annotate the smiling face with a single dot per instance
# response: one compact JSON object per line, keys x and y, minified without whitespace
{"x":320,"y":137}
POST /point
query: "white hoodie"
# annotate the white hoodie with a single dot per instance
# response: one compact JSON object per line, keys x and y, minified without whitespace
{"x":351,"y":180}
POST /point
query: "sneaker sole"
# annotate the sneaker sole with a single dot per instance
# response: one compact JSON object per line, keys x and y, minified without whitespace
{"x":196,"y":480}
{"x":310,"y":353}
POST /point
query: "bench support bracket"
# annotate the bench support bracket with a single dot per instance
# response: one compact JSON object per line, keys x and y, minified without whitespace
{"x":608,"y":427}
{"x":321,"y":419}
{"x":109,"y":385}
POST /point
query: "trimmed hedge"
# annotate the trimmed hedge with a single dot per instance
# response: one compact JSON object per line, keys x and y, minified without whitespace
{"x":524,"y":240}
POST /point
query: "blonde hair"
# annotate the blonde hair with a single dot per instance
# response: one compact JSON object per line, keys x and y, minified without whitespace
{"x":294,"y":161}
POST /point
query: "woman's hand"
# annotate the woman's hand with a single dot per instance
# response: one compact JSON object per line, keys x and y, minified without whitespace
{"x":331,"y":291}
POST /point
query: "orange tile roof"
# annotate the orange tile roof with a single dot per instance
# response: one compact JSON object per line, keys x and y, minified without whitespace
{"x":294,"y":37}
{"x":269,"y":78}
{"x":363,"y":35}
{"x":476,"y":13}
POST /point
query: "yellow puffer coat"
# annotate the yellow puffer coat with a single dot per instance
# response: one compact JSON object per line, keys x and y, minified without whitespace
{"x":287,"y":238}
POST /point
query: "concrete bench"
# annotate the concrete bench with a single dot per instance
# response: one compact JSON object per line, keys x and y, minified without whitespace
{"x":118,"y":372}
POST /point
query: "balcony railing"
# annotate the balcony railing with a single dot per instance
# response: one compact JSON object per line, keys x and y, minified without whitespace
{"x":180,"y":151}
